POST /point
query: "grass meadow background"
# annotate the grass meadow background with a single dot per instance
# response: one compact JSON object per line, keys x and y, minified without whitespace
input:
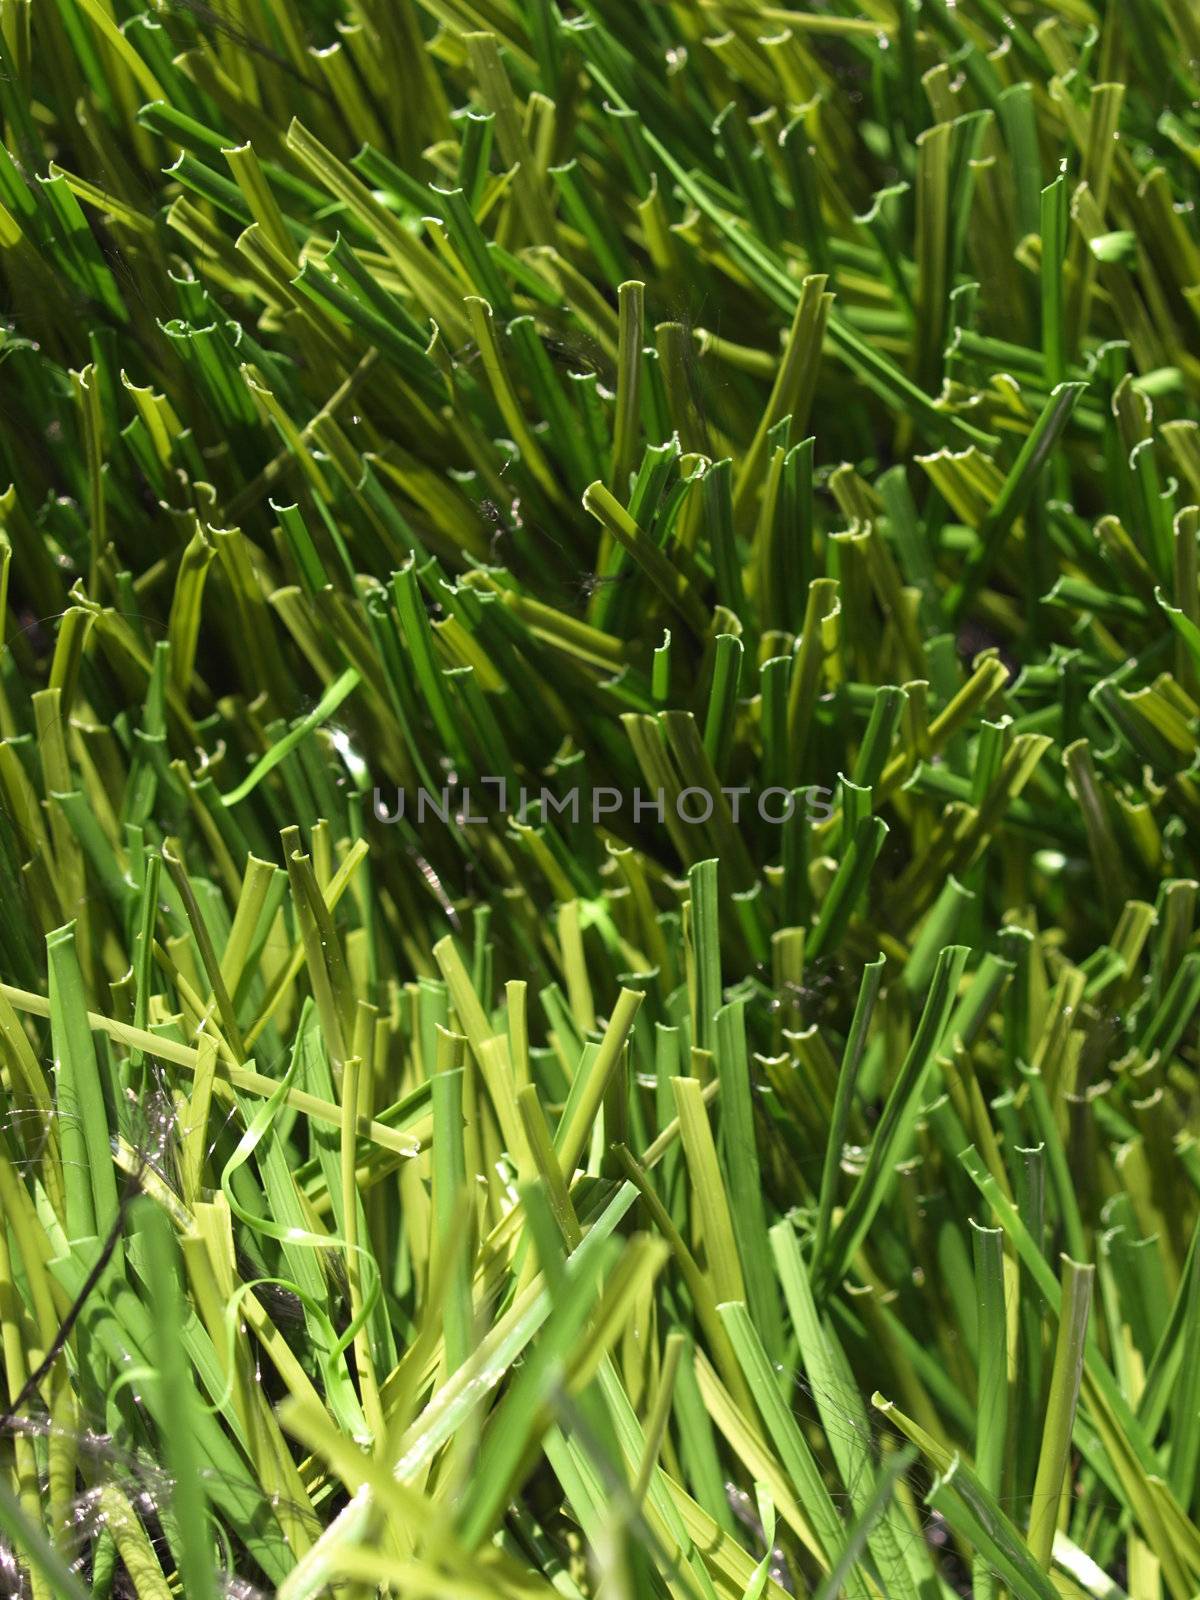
{"x":684,"y":397}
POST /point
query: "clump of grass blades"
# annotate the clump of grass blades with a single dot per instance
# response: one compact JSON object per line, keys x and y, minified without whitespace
{"x":725,"y":400}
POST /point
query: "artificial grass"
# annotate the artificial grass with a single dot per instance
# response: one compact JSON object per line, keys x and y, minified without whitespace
{"x":710,"y":402}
